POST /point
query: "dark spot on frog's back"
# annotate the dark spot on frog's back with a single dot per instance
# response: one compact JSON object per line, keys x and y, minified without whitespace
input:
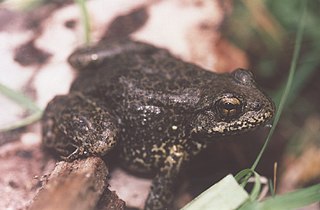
{"x":158,"y":110}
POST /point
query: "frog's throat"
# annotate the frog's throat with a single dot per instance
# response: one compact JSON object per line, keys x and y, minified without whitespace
{"x":244,"y":123}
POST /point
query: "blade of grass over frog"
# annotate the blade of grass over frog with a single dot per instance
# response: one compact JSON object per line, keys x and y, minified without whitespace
{"x":292,"y":200}
{"x":19,"y":98}
{"x":257,"y":184}
{"x":287,"y":89}
{"x":85,"y":19}
{"x":227,"y":194}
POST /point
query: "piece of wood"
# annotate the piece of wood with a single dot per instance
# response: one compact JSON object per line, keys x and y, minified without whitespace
{"x":76,"y":185}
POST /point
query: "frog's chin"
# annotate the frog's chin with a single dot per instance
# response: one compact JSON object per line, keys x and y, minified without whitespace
{"x":247,"y":122}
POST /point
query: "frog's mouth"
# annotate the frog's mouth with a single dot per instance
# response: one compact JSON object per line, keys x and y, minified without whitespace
{"x":246,"y":122}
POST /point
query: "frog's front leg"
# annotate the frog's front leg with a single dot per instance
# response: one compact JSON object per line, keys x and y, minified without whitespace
{"x":163,"y":185}
{"x":75,"y":126}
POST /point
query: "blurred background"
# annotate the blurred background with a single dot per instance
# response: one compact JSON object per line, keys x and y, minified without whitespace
{"x":36,"y":37}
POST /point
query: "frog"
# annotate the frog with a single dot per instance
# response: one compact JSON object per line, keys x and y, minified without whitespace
{"x":156,"y":109}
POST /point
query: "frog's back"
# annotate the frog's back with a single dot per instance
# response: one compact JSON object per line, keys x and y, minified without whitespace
{"x":144,"y":73}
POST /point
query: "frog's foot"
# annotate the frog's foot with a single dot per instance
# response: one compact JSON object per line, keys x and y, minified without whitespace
{"x":163,"y":185}
{"x":75,"y":126}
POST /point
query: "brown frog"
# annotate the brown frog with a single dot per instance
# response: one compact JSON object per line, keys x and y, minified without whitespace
{"x":158,"y":110}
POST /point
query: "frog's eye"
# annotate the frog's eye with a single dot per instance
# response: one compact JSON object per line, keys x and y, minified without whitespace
{"x":229,"y":107}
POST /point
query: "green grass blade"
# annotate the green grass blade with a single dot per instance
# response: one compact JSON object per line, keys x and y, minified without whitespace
{"x":85,"y":19}
{"x":34,"y":117}
{"x":271,"y":188}
{"x":23,"y":101}
{"x":293,"y":200}
{"x":256,"y":187}
{"x":288,"y":85}
{"x":243,"y":175}
{"x":19,"y":98}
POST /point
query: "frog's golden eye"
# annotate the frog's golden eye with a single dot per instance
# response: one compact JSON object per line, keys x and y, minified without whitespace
{"x":229,"y":107}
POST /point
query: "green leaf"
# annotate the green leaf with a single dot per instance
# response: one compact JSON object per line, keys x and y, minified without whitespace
{"x":227,"y":194}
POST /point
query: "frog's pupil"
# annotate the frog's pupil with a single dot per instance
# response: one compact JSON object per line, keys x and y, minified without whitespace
{"x":257,"y":105}
{"x":229,"y":106}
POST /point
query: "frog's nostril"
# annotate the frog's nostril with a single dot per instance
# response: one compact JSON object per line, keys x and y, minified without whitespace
{"x":256,"y":105}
